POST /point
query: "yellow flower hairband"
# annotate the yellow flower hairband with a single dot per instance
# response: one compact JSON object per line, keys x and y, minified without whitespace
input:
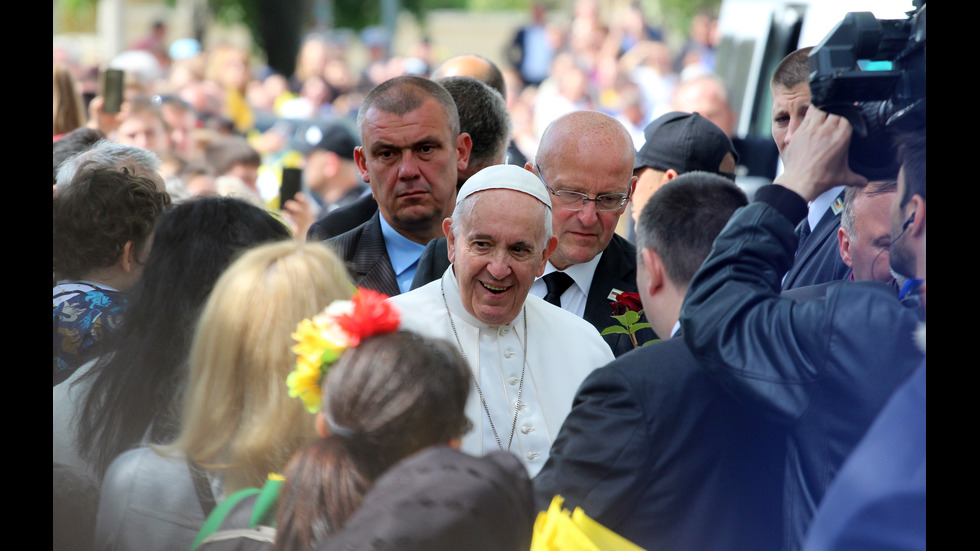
{"x":321,"y":341}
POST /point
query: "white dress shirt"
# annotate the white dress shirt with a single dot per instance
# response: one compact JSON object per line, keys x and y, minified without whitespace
{"x":575,"y":297}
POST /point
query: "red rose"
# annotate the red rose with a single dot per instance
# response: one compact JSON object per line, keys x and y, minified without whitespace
{"x":626,"y":302}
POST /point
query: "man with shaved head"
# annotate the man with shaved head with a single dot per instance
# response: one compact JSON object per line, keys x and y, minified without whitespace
{"x":585,"y":161}
{"x":412,"y":151}
{"x":473,"y":66}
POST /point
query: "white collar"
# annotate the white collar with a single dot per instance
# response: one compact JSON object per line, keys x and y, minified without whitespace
{"x":581,"y":274}
{"x":818,"y":207}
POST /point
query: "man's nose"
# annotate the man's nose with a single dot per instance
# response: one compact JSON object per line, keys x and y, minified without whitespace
{"x":790,"y":130}
{"x":589,"y":213}
{"x":499,"y":267}
{"x":408,"y":167}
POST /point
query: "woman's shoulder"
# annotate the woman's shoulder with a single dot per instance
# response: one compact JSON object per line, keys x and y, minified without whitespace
{"x":143,"y":466}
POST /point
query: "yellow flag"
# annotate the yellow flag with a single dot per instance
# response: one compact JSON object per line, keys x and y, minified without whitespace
{"x":559,"y":529}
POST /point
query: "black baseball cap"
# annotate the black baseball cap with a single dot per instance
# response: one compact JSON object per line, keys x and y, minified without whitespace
{"x":335,"y":137}
{"x":684,"y":142}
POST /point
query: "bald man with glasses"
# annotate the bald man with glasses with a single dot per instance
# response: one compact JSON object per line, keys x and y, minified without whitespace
{"x":585,"y":161}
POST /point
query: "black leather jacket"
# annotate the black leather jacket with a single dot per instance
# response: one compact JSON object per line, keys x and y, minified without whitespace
{"x":821,"y":368}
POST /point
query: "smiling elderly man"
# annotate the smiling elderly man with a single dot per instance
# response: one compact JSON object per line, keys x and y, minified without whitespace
{"x":521,"y":350}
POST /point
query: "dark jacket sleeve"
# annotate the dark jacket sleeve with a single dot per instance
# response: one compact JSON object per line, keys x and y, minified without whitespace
{"x":765,"y":348}
{"x":598,"y":457}
{"x":432,"y":263}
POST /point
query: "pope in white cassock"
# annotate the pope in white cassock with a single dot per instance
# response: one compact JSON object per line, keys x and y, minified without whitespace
{"x":527,"y":356}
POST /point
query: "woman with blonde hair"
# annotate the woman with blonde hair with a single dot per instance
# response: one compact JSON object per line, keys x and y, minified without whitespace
{"x":238,"y":423}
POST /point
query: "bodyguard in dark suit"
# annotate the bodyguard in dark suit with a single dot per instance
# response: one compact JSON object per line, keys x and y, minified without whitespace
{"x":411,"y":154}
{"x":653,"y":448}
{"x":818,"y":257}
{"x":820,"y":369}
{"x":585,"y":159}
{"x":818,"y":254}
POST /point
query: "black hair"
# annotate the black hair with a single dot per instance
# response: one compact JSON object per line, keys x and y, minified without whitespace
{"x":912,"y":157}
{"x":682,"y":219}
{"x":483,"y":115}
{"x":137,"y":387}
{"x":94,"y":219}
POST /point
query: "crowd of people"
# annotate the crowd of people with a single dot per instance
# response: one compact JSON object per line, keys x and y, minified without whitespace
{"x":494,"y":286}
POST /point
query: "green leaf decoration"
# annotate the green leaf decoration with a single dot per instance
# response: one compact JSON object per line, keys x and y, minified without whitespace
{"x":629,"y":318}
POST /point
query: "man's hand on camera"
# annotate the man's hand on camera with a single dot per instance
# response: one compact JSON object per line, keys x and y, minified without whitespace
{"x":815,"y":160}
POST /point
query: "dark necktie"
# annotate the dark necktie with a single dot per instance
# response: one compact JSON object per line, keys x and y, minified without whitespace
{"x":802,"y":232}
{"x":557,"y":283}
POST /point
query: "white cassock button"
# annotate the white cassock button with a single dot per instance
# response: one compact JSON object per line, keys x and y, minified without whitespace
{"x":513,"y":380}
{"x":532,"y":455}
{"x":504,"y":330}
{"x":526,"y":429}
{"x":508,"y":353}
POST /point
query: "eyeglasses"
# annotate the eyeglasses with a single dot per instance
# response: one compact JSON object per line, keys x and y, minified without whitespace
{"x":574,"y":200}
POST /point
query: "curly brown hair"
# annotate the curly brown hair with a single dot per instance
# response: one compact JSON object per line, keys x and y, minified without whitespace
{"x":94,"y":218}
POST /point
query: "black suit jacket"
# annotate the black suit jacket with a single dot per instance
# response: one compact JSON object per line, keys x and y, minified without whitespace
{"x":343,"y":219}
{"x":616,"y":270}
{"x":658,"y":452}
{"x":363,"y":251}
{"x":819,"y":261}
{"x":432,"y":263}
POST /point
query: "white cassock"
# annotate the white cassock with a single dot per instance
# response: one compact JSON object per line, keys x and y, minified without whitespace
{"x":562,"y":350}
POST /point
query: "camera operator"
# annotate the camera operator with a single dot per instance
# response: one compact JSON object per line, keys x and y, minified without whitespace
{"x":822,"y":369}
{"x":817,"y":257}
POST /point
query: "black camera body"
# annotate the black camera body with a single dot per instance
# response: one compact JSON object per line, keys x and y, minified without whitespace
{"x":873,"y":72}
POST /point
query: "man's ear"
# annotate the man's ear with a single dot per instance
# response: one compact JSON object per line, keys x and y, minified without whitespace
{"x":128,"y":261}
{"x":844,"y":245}
{"x":549,"y":248}
{"x":918,"y":224}
{"x":450,"y":239}
{"x":655,"y":271}
{"x":464,"y":144}
{"x":361,"y":163}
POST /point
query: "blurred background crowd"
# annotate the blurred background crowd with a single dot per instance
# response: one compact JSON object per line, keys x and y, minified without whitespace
{"x":223,"y":114}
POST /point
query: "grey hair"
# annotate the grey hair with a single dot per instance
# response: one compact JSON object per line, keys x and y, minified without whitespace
{"x":106,"y":154}
{"x":483,"y":115}
{"x":850,"y":194}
